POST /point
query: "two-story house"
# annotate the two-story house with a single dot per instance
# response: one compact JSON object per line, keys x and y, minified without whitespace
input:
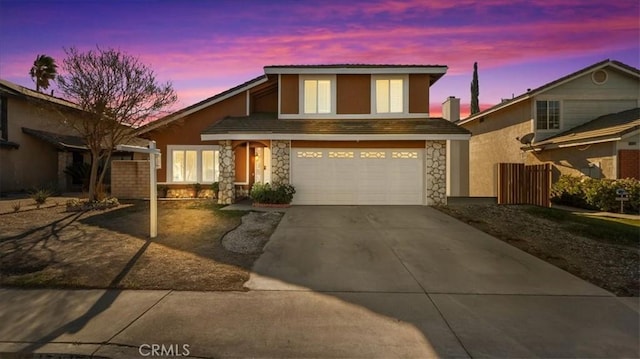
{"x":341,"y":134}
{"x":585,"y":123}
{"x":35,"y":145}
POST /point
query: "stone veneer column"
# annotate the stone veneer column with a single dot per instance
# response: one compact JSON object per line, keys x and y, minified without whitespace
{"x":280,"y":152}
{"x":435,"y":168}
{"x":227,"y":191}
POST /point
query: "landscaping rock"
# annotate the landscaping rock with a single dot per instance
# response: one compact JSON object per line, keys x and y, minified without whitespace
{"x":253,"y":233}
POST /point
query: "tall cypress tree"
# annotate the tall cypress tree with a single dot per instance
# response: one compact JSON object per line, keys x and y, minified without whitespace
{"x":475,"y":90}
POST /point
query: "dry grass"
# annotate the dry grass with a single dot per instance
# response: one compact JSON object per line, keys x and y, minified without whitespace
{"x":606,"y":256}
{"x":111,"y":249}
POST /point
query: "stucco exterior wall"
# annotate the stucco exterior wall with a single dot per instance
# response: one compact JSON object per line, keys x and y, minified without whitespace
{"x":458,"y":168}
{"x":582,"y":100}
{"x":34,"y":163}
{"x":575,"y":160}
{"x":494,"y":141}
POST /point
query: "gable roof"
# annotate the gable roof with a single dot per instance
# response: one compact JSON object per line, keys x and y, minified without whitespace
{"x":616,"y":64}
{"x":201,"y":105}
{"x":268,"y":126}
{"x":436,"y":72}
{"x":605,"y":128}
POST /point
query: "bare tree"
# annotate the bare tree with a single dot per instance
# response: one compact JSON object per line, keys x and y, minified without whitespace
{"x":117,"y":93}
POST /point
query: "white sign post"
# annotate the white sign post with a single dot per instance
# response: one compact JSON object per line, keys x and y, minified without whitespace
{"x":153,"y":184}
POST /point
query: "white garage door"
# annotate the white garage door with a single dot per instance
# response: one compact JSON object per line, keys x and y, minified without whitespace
{"x":357,"y":176}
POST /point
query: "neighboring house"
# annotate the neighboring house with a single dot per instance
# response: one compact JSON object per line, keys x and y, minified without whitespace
{"x":341,"y":134}
{"x":584,"y":123}
{"x":35,"y":145}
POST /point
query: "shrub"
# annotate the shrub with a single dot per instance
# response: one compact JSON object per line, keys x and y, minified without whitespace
{"x":569,"y":191}
{"x":40,"y":196}
{"x":276,"y":194}
{"x":598,"y":194}
{"x":16,"y":206}
{"x":76,"y":205}
{"x":215,"y":187}
{"x":163,"y":190}
{"x":80,"y":173}
{"x":197,"y":187}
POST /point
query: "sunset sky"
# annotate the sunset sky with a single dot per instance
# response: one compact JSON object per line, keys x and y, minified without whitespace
{"x":205,"y":47}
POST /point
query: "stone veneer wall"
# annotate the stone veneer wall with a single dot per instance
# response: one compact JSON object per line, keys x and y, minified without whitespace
{"x":227,"y":192}
{"x":280,"y":152}
{"x":435,"y":167}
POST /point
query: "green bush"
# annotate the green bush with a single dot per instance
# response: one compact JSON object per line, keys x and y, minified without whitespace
{"x":276,"y":194}
{"x":569,"y":191}
{"x":197,"y":187}
{"x":597,"y":194}
{"x":162,"y":190}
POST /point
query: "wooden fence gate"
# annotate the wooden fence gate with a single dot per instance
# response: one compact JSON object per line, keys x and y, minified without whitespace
{"x":520,"y":184}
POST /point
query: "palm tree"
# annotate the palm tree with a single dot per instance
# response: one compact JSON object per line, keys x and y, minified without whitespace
{"x":44,"y":69}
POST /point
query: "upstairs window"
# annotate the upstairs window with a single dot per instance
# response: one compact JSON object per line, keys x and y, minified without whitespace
{"x":317,"y":96}
{"x":389,"y":96}
{"x":548,"y":115}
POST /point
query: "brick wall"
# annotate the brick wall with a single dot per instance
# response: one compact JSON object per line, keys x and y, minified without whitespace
{"x":629,"y":164}
{"x":130,"y":179}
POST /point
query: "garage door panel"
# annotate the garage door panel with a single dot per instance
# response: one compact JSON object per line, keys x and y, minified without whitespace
{"x":357,"y":176}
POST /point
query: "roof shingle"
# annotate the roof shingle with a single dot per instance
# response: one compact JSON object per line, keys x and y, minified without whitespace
{"x":269,"y":123}
{"x":602,"y":128}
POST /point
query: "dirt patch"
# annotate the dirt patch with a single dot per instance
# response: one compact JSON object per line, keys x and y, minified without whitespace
{"x":111,"y":249}
{"x":609,"y":264}
{"x":254,"y":232}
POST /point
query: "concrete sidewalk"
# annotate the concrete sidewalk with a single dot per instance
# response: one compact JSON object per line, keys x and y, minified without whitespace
{"x":346,"y":282}
{"x":287,"y":324}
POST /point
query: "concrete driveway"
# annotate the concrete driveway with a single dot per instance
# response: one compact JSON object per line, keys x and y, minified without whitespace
{"x":466,"y":292}
{"x":348,"y":282}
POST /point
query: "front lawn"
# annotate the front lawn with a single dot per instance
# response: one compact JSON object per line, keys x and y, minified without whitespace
{"x":603,"y":251}
{"x":610,"y":229}
{"x":110,"y":249}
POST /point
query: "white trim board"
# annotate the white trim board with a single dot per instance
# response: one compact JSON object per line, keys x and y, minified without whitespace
{"x":355,"y":70}
{"x":333,"y":137}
